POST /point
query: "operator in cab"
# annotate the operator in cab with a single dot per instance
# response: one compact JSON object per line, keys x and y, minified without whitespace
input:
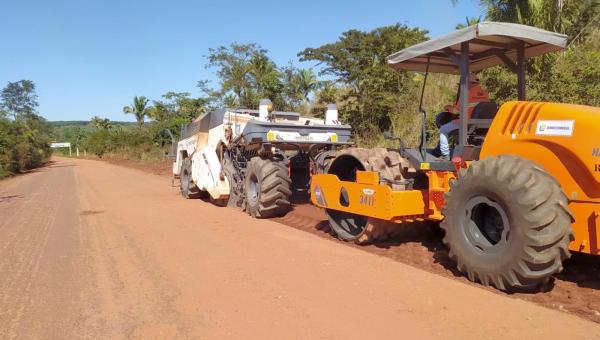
{"x":449,"y":120}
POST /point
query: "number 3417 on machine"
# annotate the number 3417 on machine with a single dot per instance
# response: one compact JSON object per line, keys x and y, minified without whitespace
{"x":367,"y":197}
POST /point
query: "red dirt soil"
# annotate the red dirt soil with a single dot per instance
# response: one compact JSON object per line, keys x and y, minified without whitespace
{"x":90,"y":250}
{"x":576,"y":290}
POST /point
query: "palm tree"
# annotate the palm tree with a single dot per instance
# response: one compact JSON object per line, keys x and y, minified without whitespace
{"x":307,"y":82}
{"x":101,"y":123}
{"x":139,"y":109}
{"x":469,"y":22}
{"x":230,"y":100}
{"x":260,"y":67}
{"x":569,"y":17}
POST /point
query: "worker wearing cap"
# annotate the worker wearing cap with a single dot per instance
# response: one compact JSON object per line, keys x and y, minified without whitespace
{"x":477,"y":94}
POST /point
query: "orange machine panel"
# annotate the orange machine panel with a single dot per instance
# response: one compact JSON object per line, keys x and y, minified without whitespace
{"x":586,"y":227}
{"x":564,"y":140}
{"x":367,"y":199}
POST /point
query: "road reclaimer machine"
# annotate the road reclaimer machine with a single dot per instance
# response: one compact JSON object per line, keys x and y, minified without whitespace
{"x":256,"y":159}
{"x":521,"y":188}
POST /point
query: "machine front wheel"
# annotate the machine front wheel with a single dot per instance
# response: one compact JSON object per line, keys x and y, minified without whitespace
{"x":507,"y":223}
{"x":187,"y":187}
{"x":267,"y":187}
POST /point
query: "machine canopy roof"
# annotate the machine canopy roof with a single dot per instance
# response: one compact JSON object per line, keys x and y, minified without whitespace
{"x":490,"y":44}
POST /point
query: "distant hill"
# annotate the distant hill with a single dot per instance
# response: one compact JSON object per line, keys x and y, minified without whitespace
{"x":61,"y":123}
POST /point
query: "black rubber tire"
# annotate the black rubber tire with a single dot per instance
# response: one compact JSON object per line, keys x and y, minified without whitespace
{"x":359,"y":229}
{"x":271,"y":194}
{"x":390,"y":166}
{"x":235,"y":199}
{"x":347,"y":226}
{"x":221,"y":202}
{"x":187,"y":187}
{"x":537,"y":217}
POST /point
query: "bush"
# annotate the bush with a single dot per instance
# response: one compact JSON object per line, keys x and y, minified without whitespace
{"x":24,"y":145}
{"x":145,"y":142}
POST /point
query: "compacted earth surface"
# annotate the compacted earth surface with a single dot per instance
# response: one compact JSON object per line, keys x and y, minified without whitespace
{"x":576,"y":290}
{"x":89,"y":249}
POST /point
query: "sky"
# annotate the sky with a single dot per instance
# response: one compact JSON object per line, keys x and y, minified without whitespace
{"x":90,"y":58}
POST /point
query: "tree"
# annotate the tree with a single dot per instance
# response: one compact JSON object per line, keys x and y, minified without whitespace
{"x":266,"y":79}
{"x":307,"y":82}
{"x":468,"y":22}
{"x":101,"y":123}
{"x":247,"y":74}
{"x":572,"y":76}
{"x":358,"y":60}
{"x":291,"y":93}
{"x":327,"y":93}
{"x":235,"y":70}
{"x":19,"y":100}
{"x":179,"y":106}
{"x":99,"y":142}
{"x":139,"y":109}
{"x":24,"y":141}
{"x":160,"y":111}
{"x":230,"y":101}
{"x":575,"y":18}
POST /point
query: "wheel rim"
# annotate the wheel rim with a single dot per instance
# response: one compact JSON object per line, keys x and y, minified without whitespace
{"x":253,"y":191}
{"x":485,"y":225}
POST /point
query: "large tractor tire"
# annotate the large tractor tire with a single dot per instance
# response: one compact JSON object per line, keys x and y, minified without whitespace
{"x":391,"y":167}
{"x":187,"y":187}
{"x":267,"y":187}
{"x":507,"y":223}
{"x":235,"y":198}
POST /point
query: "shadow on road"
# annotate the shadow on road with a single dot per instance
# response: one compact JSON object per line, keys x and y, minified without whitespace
{"x":49,"y":165}
{"x":66,"y":165}
{"x":91,"y":212}
{"x":9,"y":198}
{"x":583,"y":270}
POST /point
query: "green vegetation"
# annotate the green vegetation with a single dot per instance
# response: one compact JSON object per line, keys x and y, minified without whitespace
{"x":373,"y":94}
{"x":569,"y":77}
{"x":139,"y":109}
{"x":24,"y":141}
{"x":351,"y":72}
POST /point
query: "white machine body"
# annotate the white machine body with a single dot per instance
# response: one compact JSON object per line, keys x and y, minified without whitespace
{"x":201,"y":138}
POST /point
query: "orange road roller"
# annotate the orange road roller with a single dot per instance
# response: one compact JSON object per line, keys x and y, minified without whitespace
{"x":521,"y":188}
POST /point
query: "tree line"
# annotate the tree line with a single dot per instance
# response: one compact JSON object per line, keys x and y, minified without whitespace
{"x":24,"y":134}
{"x":373,"y":97}
{"x":353,"y":73}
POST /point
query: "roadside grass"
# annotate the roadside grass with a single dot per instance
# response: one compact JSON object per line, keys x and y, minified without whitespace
{"x":4,"y":173}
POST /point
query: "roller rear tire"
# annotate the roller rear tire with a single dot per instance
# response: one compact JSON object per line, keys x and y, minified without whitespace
{"x":507,"y":223}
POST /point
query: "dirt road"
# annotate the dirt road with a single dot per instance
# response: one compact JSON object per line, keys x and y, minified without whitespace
{"x":93,"y":250}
